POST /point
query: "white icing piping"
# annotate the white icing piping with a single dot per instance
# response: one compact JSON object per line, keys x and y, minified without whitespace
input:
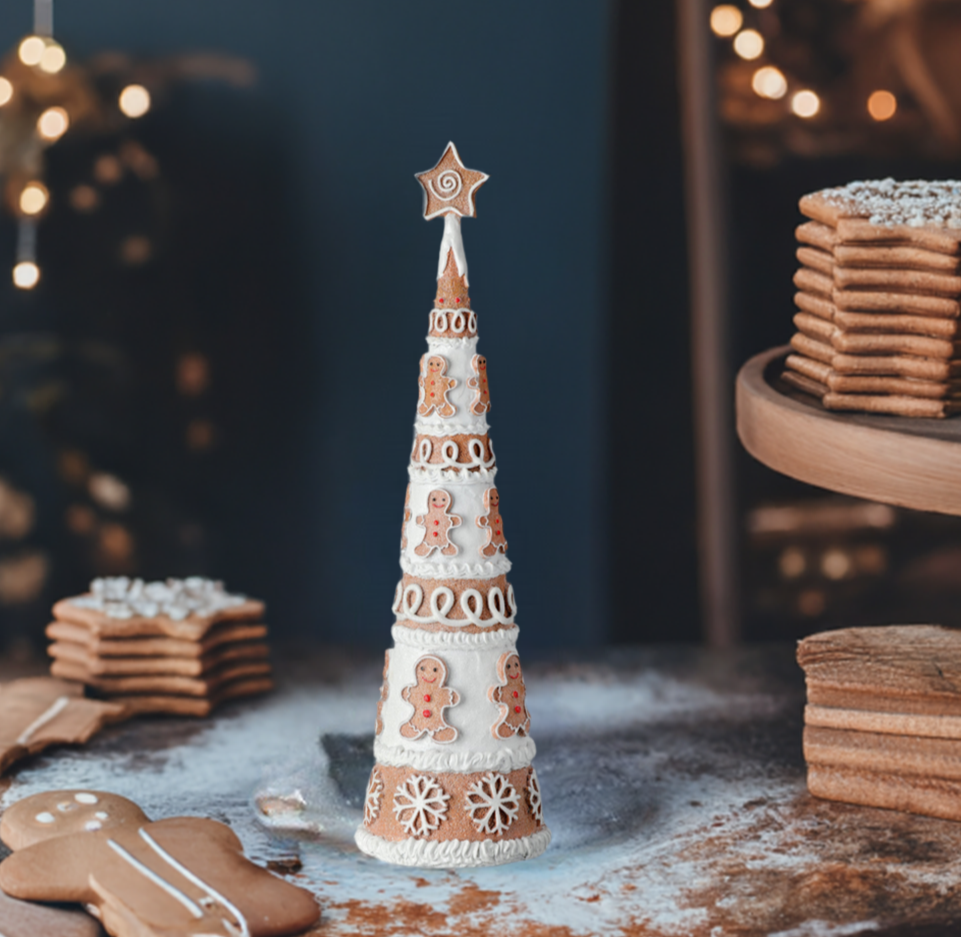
{"x":453,"y":852}
{"x":442,"y":601}
{"x":490,"y":640}
{"x":455,"y":321}
{"x":449,"y":451}
{"x":175,"y":893}
{"x":428,"y":759}
{"x":437,"y":476}
{"x":51,"y":712}
{"x":424,"y":428}
{"x":202,"y":885}
{"x":463,"y":345}
{"x":451,"y":240}
{"x":498,"y":565}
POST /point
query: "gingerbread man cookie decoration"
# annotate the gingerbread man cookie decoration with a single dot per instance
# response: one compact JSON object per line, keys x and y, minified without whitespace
{"x":403,"y":527}
{"x":494,"y":523}
{"x":434,"y":385}
{"x":180,"y":877}
{"x":437,"y":523}
{"x":510,"y":695}
{"x":429,"y":697}
{"x":384,"y":691}
{"x":482,"y":395}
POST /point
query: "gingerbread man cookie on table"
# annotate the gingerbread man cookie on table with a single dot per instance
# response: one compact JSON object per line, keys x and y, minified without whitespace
{"x":180,"y":877}
{"x":494,"y":523}
{"x":482,"y":395}
{"x":429,"y":697}
{"x":510,"y":695}
{"x":437,"y":522}
{"x":434,"y":385}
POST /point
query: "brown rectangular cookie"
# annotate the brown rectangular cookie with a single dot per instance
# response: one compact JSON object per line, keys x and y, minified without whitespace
{"x":897,"y":281}
{"x":804,"y":384}
{"x":862,"y":720}
{"x":815,"y":259}
{"x":917,"y":407}
{"x":811,"y":348}
{"x":898,"y":386}
{"x":816,"y":371}
{"x":924,"y":369}
{"x":907,"y":303}
{"x":873,"y":343}
{"x":191,"y":628}
{"x":933,"y":797}
{"x":810,"y":281}
{"x":225,"y":633}
{"x":819,"y":306}
{"x":162,"y":704}
{"x":816,"y":234}
{"x":894,"y":323}
{"x":875,"y":751}
{"x":143,"y":666}
{"x":171,"y":685}
{"x":903,"y":258}
{"x":814,"y":327}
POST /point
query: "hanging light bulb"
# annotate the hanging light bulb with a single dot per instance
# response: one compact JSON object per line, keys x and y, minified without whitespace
{"x":6,"y":91}
{"x":26,"y":275}
{"x":760,"y":4}
{"x":749,"y":44}
{"x":53,"y":58}
{"x":135,"y":100}
{"x":769,"y":82}
{"x":34,"y":198}
{"x":53,"y":123}
{"x":726,"y":20}
{"x":805,"y":104}
{"x":31,"y":50}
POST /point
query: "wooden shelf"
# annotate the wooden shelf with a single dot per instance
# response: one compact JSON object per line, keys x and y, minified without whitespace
{"x":907,"y":462}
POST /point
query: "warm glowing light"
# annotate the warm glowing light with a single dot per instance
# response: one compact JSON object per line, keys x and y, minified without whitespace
{"x":760,"y":4}
{"x":805,"y":104}
{"x":6,"y":91}
{"x":31,"y":50}
{"x":84,"y":198}
{"x":882,"y":105}
{"x":749,"y":44}
{"x":26,"y":275}
{"x":53,"y":123}
{"x":769,"y":82}
{"x":34,"y":198}
{"x":836,"y":564}
{"x":135,"y":100}
{"x":53,"y":58}
{"x":792,"y":563}
{"x":726,"y":20}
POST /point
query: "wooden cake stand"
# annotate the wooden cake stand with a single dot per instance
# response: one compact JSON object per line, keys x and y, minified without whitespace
{"x":907,"y":462}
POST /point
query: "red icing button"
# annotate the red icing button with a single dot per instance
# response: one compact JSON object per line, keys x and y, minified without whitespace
{"x":440,"y":300}
{"x":517,"y":709}
{"x":436,"y":523}
{"x":458,"y":299}
{"x":515,"y":694}
{"x":435,"y":533}
{"x":427,"y":697}
{"x":427,"y":713}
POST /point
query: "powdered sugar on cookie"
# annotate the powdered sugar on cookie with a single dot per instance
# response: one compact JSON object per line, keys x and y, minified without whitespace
{"x":916,"y":203}
{"x":177,"y":599}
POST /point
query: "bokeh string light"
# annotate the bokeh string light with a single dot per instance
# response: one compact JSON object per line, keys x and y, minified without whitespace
{"x":882,"y":105}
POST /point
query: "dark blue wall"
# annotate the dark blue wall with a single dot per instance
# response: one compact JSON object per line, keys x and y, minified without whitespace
{"x":357,"y":96}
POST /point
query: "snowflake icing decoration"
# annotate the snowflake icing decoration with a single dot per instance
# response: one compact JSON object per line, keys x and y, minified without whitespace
{"x":492,"y":804}
{"x":420,"y":804}
{"x":534,"y":798}
{"x":375,"y":787}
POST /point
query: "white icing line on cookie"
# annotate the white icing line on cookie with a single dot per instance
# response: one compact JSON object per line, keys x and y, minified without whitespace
{"x":51,"y":712}
{"x":84,"y":798}
{"x":492,"y":640}
{"x":45,"y":817}
{"x":442,"y":600}
{"x":200,"y":883}
{"x":148,"y":873}
{"x":93,"y":825}
{"x":453,"y":852}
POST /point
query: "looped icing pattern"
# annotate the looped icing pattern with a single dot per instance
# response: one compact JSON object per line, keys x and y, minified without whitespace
{"x":505,"y":639}
{"x":497,"y":565}
{"x":434,"y":475}
{"x":518,"y":755}
{"x":447,"y":185}
{"x":450,"y":452}
{"x":446,"y":853}
{"x":407,"y":602}
{"x":456,"y":322}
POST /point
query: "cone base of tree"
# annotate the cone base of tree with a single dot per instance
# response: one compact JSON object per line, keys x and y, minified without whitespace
{"x":453,"y":853}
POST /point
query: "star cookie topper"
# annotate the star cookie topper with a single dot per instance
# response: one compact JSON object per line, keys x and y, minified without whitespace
{"x":450,"y":186}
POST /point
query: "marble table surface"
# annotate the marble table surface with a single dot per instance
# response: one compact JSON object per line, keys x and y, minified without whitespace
{"x":672,"y":779}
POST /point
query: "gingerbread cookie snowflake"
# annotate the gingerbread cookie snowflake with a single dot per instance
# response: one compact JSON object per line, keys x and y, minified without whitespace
{"x":494,"y":523}
{"x":434,"y":385}
{"x":430,"y":697}
{"x":437,"y":522}
{"x":482,"y":395}
{"x":510,"y":695}
{"x":384,"y":691}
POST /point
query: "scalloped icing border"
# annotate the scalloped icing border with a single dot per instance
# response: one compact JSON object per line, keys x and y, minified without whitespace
{"x":504,"y":760}
{"x":498,"y":565}
{"x":434,"y":476}
{"x":439,"y":430}
{"x":438,"y":341}
{"x":453,"y":853}
{"x":489,"y":640}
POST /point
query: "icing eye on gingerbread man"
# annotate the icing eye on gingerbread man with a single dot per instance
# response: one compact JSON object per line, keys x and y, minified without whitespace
{"x":434,"y":385}
{"x":437,"y":524}
{"x":493,"y":523}
{"x":430,"y":697}
{"x":510,"y":695}
{"x":482,"y":397}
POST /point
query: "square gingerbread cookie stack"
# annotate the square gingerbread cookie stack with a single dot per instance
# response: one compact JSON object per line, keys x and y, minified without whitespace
{"x":879,"y":298}
{"x":180,"y":646}
{"x":883,"y":717}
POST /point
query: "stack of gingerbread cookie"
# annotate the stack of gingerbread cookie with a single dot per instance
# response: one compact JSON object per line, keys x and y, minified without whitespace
{"x":179,"y":646}
{"x":883,"y":717}
{"x":878,"y":327}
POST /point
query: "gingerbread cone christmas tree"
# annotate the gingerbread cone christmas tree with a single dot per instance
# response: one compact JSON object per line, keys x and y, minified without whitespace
{"x":453,"y":784}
